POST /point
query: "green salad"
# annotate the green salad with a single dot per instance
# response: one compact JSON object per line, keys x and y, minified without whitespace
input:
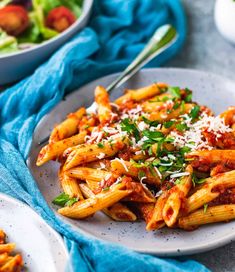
{"x":26,"y":23}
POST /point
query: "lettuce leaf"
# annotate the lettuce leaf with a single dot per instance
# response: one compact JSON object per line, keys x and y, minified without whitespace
{"x":46,"y":32}
{"x":7,"y":43}
{"x":3,"y":3}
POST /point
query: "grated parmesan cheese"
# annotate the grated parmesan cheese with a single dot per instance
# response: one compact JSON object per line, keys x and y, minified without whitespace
{"x":100,"y":156}
{"x":193,"y":137}
{"x":177,"y":175}
{"x":122,"y":162}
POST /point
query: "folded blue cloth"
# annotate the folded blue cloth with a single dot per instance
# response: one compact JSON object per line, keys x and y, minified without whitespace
{"x":117,"y":32}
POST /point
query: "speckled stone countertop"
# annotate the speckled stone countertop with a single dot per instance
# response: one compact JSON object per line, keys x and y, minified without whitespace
{"x":205,"y":49}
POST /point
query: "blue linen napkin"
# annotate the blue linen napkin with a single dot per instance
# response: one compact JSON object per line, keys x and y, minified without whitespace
{"x":117,"y":31}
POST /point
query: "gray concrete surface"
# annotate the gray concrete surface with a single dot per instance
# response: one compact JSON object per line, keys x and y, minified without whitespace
{"x":205,"y":49}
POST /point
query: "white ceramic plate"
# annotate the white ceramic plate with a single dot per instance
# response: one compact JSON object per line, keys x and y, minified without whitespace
{"x":41,"y":247}
{"x":214,"y":91}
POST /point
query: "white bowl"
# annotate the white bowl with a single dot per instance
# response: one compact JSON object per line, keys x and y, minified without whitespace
{"x":15,"y":66}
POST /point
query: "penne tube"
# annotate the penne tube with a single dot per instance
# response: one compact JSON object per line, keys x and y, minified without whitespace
{"x":13,"y":264}
{"x":85,"y":208}
{"x":94,"y":185}
{"x":103,"y":104}
{"x":127,"y":168}
{"x":3,"y":258}
{"x":162,"y":115}
{"x":2,"y":237}
{"x":91,"y":152}
{"x":55,"y":149}
{"x":7,"y":247}
{"x":68,"y":127}
{"x":117,"y":211}
{"x":140,"y":94}
{"x":210,"y":190}
{"x":212,"y":157}
{"x":152,"y":106}
{"x":139,"y":193}
{"x":156,"y":221}
{"x":178,"y":193}
{"x":70,"y":185}
{"x":229,"y":116}
{"x":86,"y":173}
{"x":213,"y":214}
{"x":145,"y":210}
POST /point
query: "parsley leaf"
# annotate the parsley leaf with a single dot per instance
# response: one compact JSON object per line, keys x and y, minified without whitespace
{"x":168,"y":124}
{"x":189,"y":95}
{"x":205,"y":208}
{"x":194,"y":112}
{"x":130,"y":128}
{"x":149,"y":122}
{"x":181,"y":127}
{"x":175,"y":91}
{"x":64,"y":200}
{"x":100,"y":145}
{"x":141,"y":174}
{"x":196,"y":180}
{"x":153,"y":135}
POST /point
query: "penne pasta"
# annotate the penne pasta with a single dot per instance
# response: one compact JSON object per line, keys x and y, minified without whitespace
{"x":212,"y":157}
{"x":145,"y":210}
{"x":85,"y":208}
{"x":211,"y":190}
{"x":127,"y":168}
{"x":103,"y":104}
{"x":166,"y":115}
{"x":211,"y":215}
{"x":68,"y":127}
{"x":85,"y":173}
{"x":156,"y":221}
{"x":55,"y":149}
{"x":92,"y":152}
{"x":70,"y":185}
{"x":118,"y":211}
{"x":140,"y":94}
{"x":177,"y":196}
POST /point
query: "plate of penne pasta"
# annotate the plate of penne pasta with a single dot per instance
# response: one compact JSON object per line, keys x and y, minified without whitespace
{"x":27,"y":243}
{"x":151,"y":167}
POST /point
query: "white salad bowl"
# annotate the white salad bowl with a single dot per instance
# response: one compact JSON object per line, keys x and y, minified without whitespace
{"x":15,"y":66}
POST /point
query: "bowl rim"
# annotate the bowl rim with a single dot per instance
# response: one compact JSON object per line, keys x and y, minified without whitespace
{"x":86,"y":8}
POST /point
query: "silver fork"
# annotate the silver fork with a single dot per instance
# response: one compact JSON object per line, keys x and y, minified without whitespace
{"x":162,"y":38}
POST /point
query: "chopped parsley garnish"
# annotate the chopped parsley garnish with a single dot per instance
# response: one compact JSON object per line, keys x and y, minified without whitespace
{"x":65,"y":200}
{"x":205,"y":208}
{"x":174,"y":91}
{"x":149,"y":122}
{"x":181,"y":127}
{"x":176,"y":105}
{"x":100,"y":145}
{"x":184,"y":150}
{"x":130,"y":127}
{"x":106,"y":188}
{"x":196,"y":180}
{"x":194,"y":112}
{"x":153,"y":135}
{"x":189,"y":95}
{"x":178,"y":181}
{"x":168,"y":124}
{"x":141,"y":175}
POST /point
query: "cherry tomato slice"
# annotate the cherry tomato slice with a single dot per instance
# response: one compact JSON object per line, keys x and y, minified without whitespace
{"x":14,"y":19}
{"x":60,"y":18}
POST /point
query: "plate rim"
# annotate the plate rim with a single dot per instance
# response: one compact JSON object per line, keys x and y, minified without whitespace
{"x":203,"y":247}
{"x":18,"y":202}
